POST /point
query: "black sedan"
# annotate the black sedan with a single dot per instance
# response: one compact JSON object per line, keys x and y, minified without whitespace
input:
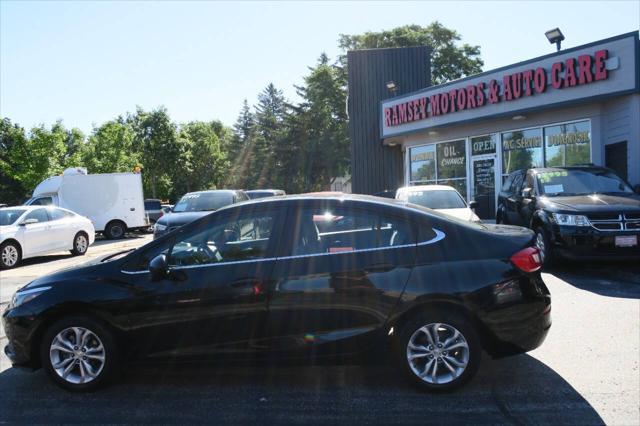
{"x":314,"y":276}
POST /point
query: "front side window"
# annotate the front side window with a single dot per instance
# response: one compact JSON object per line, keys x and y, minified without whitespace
{"x":39,"y":214}
{"x":581,"y":182}
{"x":42,"y":201}
{"x":326,"y":230}
{"x":230,"y":239}
{"x":9,"y":216}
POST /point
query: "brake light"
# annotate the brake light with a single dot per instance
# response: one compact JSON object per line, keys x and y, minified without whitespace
{"x":527,"y":260}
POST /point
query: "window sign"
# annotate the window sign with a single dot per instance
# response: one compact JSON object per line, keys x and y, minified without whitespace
{"x":521,"y":149}
{"x":482,"y":145}
{"x":567,"y":144}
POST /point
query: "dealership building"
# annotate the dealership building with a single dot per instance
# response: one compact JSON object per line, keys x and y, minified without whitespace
{"x":575,"y":106}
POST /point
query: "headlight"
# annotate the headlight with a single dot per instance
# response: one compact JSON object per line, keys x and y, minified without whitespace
{"x":570,"y":219}
{"x":159,"y":227}
{"x":24,"y":296}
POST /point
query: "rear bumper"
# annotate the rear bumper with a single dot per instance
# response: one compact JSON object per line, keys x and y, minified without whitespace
{"x":579,"y":243}
{"x":521,"y":326}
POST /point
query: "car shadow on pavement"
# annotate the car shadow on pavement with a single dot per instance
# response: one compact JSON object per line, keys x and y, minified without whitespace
{"x":517,"y":390}
{"x":604,"y":278}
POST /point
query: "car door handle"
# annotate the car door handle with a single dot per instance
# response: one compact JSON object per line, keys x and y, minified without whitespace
{"x":380,"y":267}
{"x":253,"y":283}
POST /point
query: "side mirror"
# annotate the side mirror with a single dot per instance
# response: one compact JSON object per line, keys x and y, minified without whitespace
{"x":526,"y":193}
{"x":158,"y":267}
{"x":28,"y":221}
{"x":637,"y":189}
{"x":473,"y":204}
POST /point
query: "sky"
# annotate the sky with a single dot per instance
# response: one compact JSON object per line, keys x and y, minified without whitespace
{"x":88,"y":62}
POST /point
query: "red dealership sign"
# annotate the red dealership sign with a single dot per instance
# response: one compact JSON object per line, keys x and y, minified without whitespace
{"x":584,"y":69}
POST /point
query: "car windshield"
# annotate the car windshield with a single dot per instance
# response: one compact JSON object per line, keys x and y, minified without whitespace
{"x":9,"y":216}
{"x":580,"y":182}
{"x":438,"y":199}
{"x":203,"y":201}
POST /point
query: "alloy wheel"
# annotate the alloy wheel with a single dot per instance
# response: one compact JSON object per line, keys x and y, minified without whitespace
{"x":10,"y":255}
{"x":77,"y":355}
{"x":438,"y":353}
{"x":81,"y":243}
{"x":540,"y":245}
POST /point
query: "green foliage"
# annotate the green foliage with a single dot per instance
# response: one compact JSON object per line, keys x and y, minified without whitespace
{"x":109,"y":149}
{"x":449,"y":60}
{"x":12,"y":191}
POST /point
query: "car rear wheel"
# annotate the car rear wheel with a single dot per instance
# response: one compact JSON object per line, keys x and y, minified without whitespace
{"x":115,"y":230}
{"x":79,"y":354}
{"x":10,"y":255}
{"x":80,"y":244}
{"x":439,"y":352}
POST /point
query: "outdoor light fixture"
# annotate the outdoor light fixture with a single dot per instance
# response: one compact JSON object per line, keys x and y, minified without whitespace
{"x":518,"y":117}
{"x":392,"y":87}
{"x":555,"y":36}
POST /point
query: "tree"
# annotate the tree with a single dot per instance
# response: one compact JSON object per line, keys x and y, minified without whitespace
{"x":157,"y":142}
{"x":449,"y":60}
{"x":240,"y":147}
{"x":11,"y":190}
{"x":203,"y":162}
{"x":270,"y":116}
{"x":34,"y":158}
{"x":110,"y":148}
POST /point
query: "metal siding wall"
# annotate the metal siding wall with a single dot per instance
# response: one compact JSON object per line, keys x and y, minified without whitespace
{"x":375,"y":167}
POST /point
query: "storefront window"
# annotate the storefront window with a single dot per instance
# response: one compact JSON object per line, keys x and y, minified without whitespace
{"x":443,"y":163}
{"x":521,"y":149}
{"x":482,"y":145}
{"x":423,"y":163}
{"x":567,"y":144}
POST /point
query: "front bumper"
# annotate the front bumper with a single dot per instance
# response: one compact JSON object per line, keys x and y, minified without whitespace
{"x":587,"y":243}
{"x":20,"y":328}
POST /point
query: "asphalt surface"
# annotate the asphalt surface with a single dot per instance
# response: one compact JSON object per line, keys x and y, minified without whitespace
{"x":587,"y":372}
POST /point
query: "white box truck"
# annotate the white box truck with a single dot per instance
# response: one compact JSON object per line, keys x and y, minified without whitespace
{"x":114,"y":202}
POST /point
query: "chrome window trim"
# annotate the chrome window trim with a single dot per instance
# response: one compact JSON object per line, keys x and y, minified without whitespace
{"x":438,"y":237}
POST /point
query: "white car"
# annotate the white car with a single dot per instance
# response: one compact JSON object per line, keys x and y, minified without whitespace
{"x":28,"y":231}
{"x":443,"y":198}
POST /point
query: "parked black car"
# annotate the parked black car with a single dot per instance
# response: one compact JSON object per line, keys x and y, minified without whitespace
{"x":195,"y":205}
{"x":259,"y":279}
{"x":262,"y":193}
{"x":581,"y":212}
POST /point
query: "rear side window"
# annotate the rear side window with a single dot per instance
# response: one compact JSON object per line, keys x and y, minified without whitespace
{"x":56,"y":214}
{"x":325,"y":230}
{"x":507,"y":183}
{"x":516,"y":184}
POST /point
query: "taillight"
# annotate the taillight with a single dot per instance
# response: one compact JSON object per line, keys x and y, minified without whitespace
{"x":527,"y":260}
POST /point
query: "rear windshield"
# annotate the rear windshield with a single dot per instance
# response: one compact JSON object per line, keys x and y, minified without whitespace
{"x":203,"y":201}
{"x":581,"y":182}
{"x":9,"y":216}
{"x":438,"y":199}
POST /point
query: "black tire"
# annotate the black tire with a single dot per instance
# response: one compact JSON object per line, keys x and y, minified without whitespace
{"x":501,"y":216}
{"x":546,"y":254}
{"x":10,"y":255}
{"x":79,"y":249}
{"x":115,"y":230}
{"x":111,"y":357}
{"x":449,"y":321}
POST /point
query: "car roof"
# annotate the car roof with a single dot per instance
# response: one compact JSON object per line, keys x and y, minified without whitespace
{"x":427,"y":188}
{"x":560,"y":168}
{"x":29,"y":208}
{"x":212,"y":191}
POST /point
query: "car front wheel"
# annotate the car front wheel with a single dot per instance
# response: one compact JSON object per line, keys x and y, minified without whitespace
{"x":439,"y":352}
{"x":79,"y":354}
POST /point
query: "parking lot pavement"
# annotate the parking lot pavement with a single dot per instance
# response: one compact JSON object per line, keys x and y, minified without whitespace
{"x":33,"y":268}
{"x":587,"y":372}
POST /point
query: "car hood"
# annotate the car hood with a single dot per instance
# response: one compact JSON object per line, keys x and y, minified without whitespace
{"x":179,"y":219}
{"x":463,"y":213}
{"x":593,"y":203}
